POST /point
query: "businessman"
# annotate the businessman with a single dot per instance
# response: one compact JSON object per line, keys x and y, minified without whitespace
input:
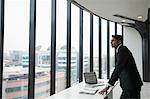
{"x":125,"y":70}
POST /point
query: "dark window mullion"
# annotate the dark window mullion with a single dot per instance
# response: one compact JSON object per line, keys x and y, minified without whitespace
{"x":68,"y":76}
{"x":32,"y":35}
{"x":115,"y":28}
{"x":115,"y":34}
{"x":53,"y":47}
{"x":100,"y":55}
{"x":108,"y":52}
{"x":91,"y":42}
{"x":122,"y":33}
{"x":1,"y":43}
{"x":81,"y":47}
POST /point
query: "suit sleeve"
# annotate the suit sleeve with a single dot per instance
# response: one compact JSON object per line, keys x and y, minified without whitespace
{"x":120,"y":65}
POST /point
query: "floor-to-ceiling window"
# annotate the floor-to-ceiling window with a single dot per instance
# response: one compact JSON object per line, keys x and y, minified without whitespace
{"x":16,"y":49}
{"x":95,"y":44}
{"x":43,"y":49}
{"x":61,"y":44}
{"x":104,"y":47}
{"x":86,"y":41}
{"x":74,"y":44}
{"x":112,"y":50}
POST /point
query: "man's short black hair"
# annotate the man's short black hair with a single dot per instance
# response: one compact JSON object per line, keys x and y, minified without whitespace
{"x":118,"y":37}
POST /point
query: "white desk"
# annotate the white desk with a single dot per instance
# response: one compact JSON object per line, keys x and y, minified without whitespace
{"x":73,"y":93}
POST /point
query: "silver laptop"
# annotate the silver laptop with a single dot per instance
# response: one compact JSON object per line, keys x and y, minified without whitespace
{"x":90,"y":77}
{"x":91,"y":80}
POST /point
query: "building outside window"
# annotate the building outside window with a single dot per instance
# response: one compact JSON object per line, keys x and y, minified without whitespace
{"x":74,"y":44}
{"x":96,"y":44}
{"x":61,"y":42}
{"x":86,"y":41}
{"x":16,"y":40}
{"x":104,"y":48}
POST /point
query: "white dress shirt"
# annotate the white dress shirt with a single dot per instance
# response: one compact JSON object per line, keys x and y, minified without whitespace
{"x":118,"y":48}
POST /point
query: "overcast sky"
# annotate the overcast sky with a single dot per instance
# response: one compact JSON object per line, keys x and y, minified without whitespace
{"x":16,"y":29}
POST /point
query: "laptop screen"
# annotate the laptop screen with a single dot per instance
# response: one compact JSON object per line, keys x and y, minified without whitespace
{"x":90,"y":77}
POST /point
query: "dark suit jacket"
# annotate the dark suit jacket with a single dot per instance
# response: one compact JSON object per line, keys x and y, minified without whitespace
{"x":125,"y":70}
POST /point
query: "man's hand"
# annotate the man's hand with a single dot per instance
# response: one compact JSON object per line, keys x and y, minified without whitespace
{"x":104,"y":91}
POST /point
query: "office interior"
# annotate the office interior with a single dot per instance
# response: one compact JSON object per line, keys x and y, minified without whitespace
{"x":47,"y":45}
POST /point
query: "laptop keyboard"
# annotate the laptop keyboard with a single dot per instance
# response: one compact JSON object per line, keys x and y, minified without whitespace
{"x":95,"y":85}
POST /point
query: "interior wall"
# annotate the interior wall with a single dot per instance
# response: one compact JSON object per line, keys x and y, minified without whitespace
{"x":149,"y":4}
{"x":133,"y":41}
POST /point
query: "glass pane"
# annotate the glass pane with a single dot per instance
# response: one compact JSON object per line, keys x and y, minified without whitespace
{"x":104,"y":48}
{"x":74,"y":44}
{"x":95,"y":44}
{"x":43,"y":41}
{"x":16,"y":49}
{"x":61,"y":44}
{"x":119,"y":29}
{"x":86,"y":41}
{"x":112,"y":50}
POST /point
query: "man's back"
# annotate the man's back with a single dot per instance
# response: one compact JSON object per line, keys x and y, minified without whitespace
{"x":129,"y":76}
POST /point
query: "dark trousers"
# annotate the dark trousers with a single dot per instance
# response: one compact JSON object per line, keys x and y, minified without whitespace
{"x":131,"y":94}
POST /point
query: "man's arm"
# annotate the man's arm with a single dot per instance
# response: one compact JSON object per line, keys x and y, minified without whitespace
{"x":120,"y":65}
{"x":121,"y":60}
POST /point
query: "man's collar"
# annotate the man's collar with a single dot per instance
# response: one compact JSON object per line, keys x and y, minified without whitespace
{"x":118,"y":47}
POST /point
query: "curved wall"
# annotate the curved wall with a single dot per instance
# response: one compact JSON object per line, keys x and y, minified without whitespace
{"x":133,"y":41}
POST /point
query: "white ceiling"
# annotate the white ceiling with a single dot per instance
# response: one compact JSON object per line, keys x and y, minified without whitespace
{"x":127,"y":8}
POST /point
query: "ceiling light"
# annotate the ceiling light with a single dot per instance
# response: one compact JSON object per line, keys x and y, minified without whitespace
{"x":139,"y":17}
{"x":123,"y":20}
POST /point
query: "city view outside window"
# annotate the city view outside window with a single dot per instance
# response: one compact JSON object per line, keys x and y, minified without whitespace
{"x":96,"y":44}
{"x":16,"y":49}
{"x":86,"y":41}
{"x":74,"y":44}
{"x":112,"y":50}
{"x":104,"y":48}
{"x":43,"y":49}
{"x":61,"y":44}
